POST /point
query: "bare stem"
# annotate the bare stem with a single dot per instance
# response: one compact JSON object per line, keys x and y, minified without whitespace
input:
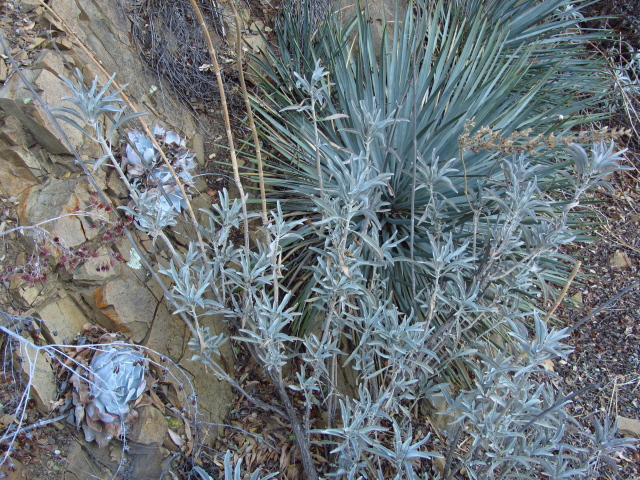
{"x":563,"y":293}
{"x":227,"y":123}
{"x":252,"y":125}
{"x":296,"y":426}
{"x":107,"y":150}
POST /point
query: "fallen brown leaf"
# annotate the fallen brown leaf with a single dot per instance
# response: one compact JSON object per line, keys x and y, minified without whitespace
{"x":175,"y":438}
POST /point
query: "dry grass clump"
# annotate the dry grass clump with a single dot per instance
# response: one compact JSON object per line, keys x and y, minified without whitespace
{"x":170,"y":40}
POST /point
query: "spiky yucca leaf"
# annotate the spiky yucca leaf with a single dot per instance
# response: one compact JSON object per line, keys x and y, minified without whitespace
{"x":506,"y":64}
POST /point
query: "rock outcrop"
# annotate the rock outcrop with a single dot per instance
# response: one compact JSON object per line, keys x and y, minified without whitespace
{"x":39,"y":174}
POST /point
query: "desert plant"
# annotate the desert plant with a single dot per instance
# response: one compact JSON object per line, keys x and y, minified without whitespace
{"x":230,"y":472}
{"x":104,"y":379}
{"x":98,"y":114}
{"x":400,"y":251}
{"x":514,"y":422}
{"x":155,"y":175}
{"x":505,"y":64}
{"x":116,"y":376}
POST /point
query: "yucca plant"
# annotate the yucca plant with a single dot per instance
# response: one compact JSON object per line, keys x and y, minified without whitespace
{"x":443,"y":71}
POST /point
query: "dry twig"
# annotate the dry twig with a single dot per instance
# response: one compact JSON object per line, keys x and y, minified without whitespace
{"x":563,"y":293}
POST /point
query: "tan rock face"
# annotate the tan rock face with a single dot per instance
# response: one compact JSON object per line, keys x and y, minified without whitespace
{"x":14,"y":133}
{"x":435,"y":409}
{"x":13,"y":469}
{"x":168,"y":334}
{"x":15,"y":174}
{"x":63,"y":319}
{"x":3,"y":70}
{"x":151,"y":426}
{"x":143,"y":461}
{"x":35,"y":165}
{"x":53,"y":89}
{"x":56,"y":200}
{"x":128,"y":306}
{"x":213,"y":395}
{"x":51,"y":61}
{"x":30,"y":159}
{"x":93,"y":272}
{"x":100,"y":25}
{"x":16,"y":101}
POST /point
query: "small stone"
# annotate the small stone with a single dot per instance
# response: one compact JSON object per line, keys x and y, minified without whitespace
{"x":255,"y":42}
{"x":97,"y":271}
{"x":63,"y":319}
{"x":28,"y":293}
{"x":50,"y":60}
{"x":116,"y":186}
{"x":3,"y":70}
{"x":29,"y":5}
{"x":440,"y":463}
{"x":15,"y":174}
{"x":36,"y":366}
{"x":61,"y":43}
{"x":435,"y":407}
{"x":12,"y":470}
{"x":7,"y":420}
{"x":621,"y":259}
{"x":198,"y":148}
{"x":629,"y":427}
{"x":127,"y":305}
{"x":35,"y":43}
{"x":577,"y":297}
{"x":257,"y":26}
{"x":151,"y":426}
